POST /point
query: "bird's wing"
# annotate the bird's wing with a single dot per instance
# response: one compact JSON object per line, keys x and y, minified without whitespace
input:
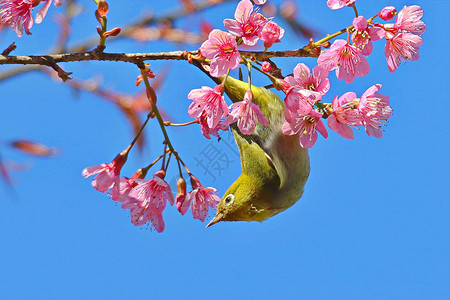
{"x":262,"y":140}
{"x":254,"y":160}
{"x":282,"y":152}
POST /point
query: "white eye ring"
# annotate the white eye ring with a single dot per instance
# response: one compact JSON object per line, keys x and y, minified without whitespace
{"x":229,"y":199}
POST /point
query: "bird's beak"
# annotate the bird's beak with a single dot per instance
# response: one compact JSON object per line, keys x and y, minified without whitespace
{"x":216,"y":219}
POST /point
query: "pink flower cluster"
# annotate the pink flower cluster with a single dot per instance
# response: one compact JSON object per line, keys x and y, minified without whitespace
{"x":146,"y":199}
{"x":18,"y":13}
{"x":208,"y":106}
{"x":303,"y":90}
{"x":404,"y":36}
{"x":402,"y":41}
{"x":304,"y":110}
{"x":247,"y":27}
{"x":246,"y":113}
{"x":369,"y":111}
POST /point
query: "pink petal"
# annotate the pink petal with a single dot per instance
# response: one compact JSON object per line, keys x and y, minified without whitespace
{"x":342,"y":129}
{"x":104,"y":180}
{"x":233,"y":27}
{"x":89,"y":171}
{"x":243,"y":11}
{"x":372,"y":90}
{"x":360,"y":23}
{"x":184,"y":204}
{"x":158,"y":223}
{"x":287,"y":129}
{"x":328,"y":60}
{"x":300,"y":71}
{"x":43,"y":11}
{"x":376,"y":33}
{"x":362,"y":68}
{"x":320,"y":127}
{"x":308,"y":140}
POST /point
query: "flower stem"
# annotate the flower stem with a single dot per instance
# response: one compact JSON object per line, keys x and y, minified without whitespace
{"x":249,"y":66}
{"x":356,"y":11}
{"x":137,"y":135}
{"x":154,"y":162}
{"x":331,"y":36}
{"x":167,"y":123}
{"x":161,"y":123}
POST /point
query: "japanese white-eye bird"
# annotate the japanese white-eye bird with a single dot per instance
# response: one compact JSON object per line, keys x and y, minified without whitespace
{"x":274,"y":166}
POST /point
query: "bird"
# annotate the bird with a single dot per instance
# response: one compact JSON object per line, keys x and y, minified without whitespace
{"x":274,"y":166}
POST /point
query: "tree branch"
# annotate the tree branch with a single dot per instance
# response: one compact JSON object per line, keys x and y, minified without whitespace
{"x":135,"y":58}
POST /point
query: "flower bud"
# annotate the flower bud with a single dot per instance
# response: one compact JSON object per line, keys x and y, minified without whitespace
{"x":181,"y":196}
{"x":181,"y":187}
{"x":103,"y":8}
{"x":195,"y":183}
{"x":140,"y":173}
{"x":387,"y":13}
{"x":266,"y":67}
{"x":112,"y":32}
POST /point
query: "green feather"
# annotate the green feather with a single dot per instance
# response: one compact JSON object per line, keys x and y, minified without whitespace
{"x":274,"y":166}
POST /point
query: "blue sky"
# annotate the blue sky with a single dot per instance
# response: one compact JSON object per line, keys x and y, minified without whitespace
{"x":373,"y":222}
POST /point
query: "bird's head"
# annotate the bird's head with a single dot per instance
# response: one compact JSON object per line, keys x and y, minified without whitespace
{"x":247,"y":199}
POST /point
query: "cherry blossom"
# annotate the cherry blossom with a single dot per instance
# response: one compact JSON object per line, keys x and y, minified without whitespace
{"x":300,"y":100}
{"x":303,"y":79}
{"x":246,"y":113}
{"x":345,"y":114}
{"x":141,"y":215}
{"x":337,"y":4}
{"x":206,"y":130}
{"x":375,"y":109}
{"x":18,"y":13}
{"x":247,"y":24}
{"x":200,"y":199}
{"x":346,"y":59}
{"x":363,"y":35}
{"x":152,"y":194}
{"x":271,"y":33}
{"x":209,"y":102}
{"x":408,"y":20}
{"x":107,"y":174}
{"x":306,"y":125}
{"x":401,"y":47}
{"x":221,"y":48}
{"x":120,"y":192}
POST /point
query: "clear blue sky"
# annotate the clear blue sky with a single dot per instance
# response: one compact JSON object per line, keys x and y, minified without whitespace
{"x":373,"y":223}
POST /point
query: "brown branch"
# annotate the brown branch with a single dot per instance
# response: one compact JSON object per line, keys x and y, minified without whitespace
{"x":262,"y":56}
{"x":10,"y":49}
{"x":135,"y":58}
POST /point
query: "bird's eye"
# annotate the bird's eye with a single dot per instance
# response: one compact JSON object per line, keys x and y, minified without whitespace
{"x":229,"y":199}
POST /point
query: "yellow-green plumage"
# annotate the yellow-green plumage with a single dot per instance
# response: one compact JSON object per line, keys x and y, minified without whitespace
{"x":274,"y":167}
